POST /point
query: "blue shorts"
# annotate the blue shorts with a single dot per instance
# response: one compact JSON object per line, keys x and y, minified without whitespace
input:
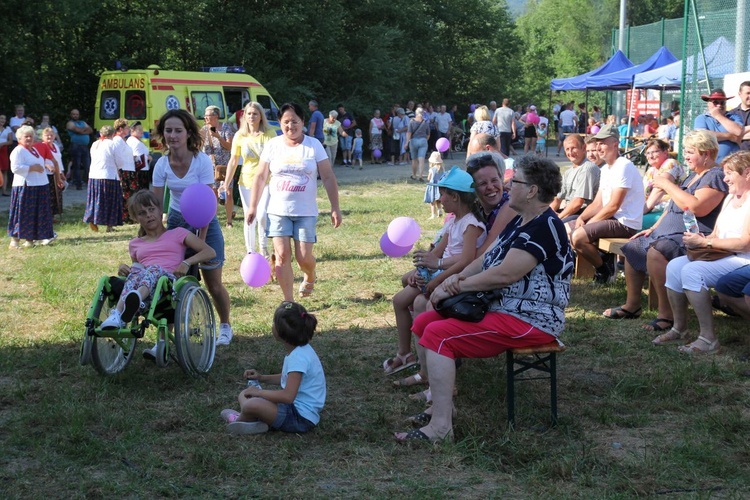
{"x":288,"y":419}
{"x":345,"y":143}
{"x":299,"y":228}
{"x":418,"y":147}
{"x":735,"y":284}
{"x":357,"y":155}
{"x":214,"y":238}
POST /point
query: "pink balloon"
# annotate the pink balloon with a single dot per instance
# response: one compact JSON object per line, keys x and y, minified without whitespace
{"x":403,"y":231}
{"x":376,"y":153}
{"x":443,"y":144}
{"x":198,"y":205}
{"x":595,"y":129}
{"x":392,"y":250}
{"x":346,"y":123}
{"x":255,"y":270}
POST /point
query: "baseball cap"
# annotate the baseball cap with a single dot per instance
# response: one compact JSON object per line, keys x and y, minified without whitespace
{"x":606,"y":132}
{"x":457,"y":180}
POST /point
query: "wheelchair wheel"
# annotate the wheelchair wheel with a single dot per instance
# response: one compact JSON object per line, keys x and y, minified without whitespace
{"x":107,"y":356}
{"x":194,"y":330}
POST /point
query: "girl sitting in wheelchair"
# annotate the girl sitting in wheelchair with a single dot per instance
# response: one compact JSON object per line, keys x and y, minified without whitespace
{"x":156,"y":252}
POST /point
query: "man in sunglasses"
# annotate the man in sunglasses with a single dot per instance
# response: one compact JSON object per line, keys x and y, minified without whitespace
{"x":726,"y":126}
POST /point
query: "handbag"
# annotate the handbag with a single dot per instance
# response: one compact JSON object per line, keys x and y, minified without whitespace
{"x":467,"y":306}
{"x":707,"y":254}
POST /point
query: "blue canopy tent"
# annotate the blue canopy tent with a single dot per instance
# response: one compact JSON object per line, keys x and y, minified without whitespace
{"x":623,"y":80}
{"x":669,"y":77}
{"x":617,"y":62}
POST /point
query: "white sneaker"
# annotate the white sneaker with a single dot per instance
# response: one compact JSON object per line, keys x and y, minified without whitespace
{"x":247,"y":427}
{"x":114,"y":321}
{"x":225,"y":334}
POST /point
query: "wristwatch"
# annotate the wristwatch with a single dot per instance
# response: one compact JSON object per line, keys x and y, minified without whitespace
{"x":709,"y":243}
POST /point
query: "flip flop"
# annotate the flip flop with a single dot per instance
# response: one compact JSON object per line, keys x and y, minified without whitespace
{"x":417,"y":436}
{"x":415,"y":379}
{"x":247,"y":427}
{"x":306,"y":289}
{"x":407,"y":361}
{"x":622,"y":313}
{"x":655,"y":327}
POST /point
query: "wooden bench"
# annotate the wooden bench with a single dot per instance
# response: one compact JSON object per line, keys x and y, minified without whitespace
{"x":545,"y":361}
{"x":614,"y":245}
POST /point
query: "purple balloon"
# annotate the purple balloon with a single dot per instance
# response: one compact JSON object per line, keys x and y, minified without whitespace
{"x":198,"y":205}
{"x":443,"y":144}
{"x":403,"y":231}
{"x":346,"y":123}
{"x":392,"y":250}
{"x":255,"y":270}
{"x":376,"y":153}
{"x":473,"y":107}
{"x":595,"y":129}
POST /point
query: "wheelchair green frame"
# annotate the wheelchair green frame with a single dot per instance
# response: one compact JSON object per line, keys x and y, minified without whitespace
{"x":182,"y":303}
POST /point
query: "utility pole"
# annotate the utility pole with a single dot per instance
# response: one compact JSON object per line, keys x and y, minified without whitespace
{"x":620,"y":95}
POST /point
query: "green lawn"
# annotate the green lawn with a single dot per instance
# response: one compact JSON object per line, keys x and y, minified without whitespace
{"x":635,"y":420}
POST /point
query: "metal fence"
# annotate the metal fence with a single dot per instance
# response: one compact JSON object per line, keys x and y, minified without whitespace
{"x":712,"y":40}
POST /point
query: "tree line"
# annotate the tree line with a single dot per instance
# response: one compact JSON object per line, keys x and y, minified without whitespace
{"x":365,"y":53}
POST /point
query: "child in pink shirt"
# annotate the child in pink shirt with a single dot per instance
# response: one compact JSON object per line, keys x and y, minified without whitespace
{"x":156,"y":252}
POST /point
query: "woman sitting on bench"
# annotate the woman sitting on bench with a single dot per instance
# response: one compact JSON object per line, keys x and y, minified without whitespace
{"x":530,"y":265}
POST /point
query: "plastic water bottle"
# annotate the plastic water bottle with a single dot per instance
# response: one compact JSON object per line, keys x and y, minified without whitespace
{"x":222,"y":196}
{"x":691,"y":223}
{"x":251,"y":382}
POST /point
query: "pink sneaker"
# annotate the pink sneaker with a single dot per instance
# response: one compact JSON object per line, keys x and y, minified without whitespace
{"x":229,"y":415}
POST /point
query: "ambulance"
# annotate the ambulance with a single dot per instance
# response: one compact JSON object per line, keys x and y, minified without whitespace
{"x":146,"y":94}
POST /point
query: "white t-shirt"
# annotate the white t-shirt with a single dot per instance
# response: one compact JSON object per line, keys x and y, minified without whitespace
{"x":443,"y":122}
{"x":201,"y":171}
{"x":20,"y":161}
{"x":545,"y":120}
{"x":16,"y":122}
{"x":293,"y":185}
{"x":456,"y":230}
{"x":125,"y":153}
{"x":106,"y":160}
{"x":567,"y":118}
{"x":6,"y":135}
{"x":623,"y":174}
{"x":138,"y":148}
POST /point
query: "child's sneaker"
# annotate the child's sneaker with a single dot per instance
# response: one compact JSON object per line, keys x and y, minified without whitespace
{"x":114,"y":321}
{"x":132,"y":306}
{"x":247,"y":428}
{"x":229,"y":415}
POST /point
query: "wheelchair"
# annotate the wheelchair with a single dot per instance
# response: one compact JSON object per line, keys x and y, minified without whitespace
{"x":182,"y":304}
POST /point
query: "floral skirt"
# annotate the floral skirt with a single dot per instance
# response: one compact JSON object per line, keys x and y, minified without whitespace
{"x":376,"y":142}
{"x":129,"y":184}
{"x":30,"y":216}
{"x":104,"y":202}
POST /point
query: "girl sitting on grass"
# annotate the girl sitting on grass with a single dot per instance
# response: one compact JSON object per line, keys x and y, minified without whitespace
{"x":296,"y":406}
{"x":461,"y":237}
{"x":156,"y":252}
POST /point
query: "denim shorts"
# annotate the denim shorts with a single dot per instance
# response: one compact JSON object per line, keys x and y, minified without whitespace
{"x":299,"y":228}
{"x":214,"y":238}
{"x":735,"y":284}
{"x":418,"y":148}
{"x":288,"y":419}
{"x":345,"y":143}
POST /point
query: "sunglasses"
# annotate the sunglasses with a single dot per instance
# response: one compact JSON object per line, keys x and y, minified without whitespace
{"x":718,"y":102}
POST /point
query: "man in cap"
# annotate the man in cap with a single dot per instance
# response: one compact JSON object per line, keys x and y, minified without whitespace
{"x":726,"y":126}
{"x":617,"y":209}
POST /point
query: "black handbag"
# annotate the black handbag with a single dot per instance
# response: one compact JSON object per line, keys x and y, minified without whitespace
{"x":467,"y":306}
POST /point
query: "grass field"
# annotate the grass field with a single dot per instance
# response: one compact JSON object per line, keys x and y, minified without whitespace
{"x":635,"y":420}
